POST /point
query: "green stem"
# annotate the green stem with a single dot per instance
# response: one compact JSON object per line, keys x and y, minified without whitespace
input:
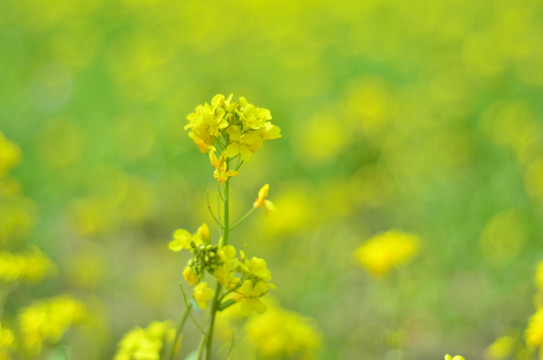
{"x":175,"y":345}
{"x":201,"y":348}
{"x":214,"y":309}
{"x":216,"y":303}
{"x":242,"y":219}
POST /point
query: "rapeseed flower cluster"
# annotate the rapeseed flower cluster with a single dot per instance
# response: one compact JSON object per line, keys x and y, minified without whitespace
{"x":233,"y":129}
{"x":386,"y":251}
{"x":145,"y":344}
{"x":248,"y":279}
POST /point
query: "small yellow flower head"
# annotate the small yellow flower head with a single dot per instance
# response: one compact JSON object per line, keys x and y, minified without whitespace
{"x":500,"y":349}
{"x":221,"y":172}
{"x":226,"y":276}
{"x":261,"y":199}
{"x":7,"y":339}
{"x":146,"y":343}
{"x":202,"y":294}
{"x":182,"y":239}
{"x":249,"y":295}
{"x":456,"y":357}
{"x":534,"y":331}
{"x":256,"y":268}
{"x":386,"y":251}
{"x":190,"y":276}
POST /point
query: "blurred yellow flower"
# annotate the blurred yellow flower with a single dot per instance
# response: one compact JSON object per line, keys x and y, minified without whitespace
{"x":10,"y":155}
{"x":539,"y":276}
{"x":249,"y":297}
{"x":145,"y":344}
{"x":47,"y":320}
{"x":500,"y":349}
{"x":386,"y":251}
{"x":190,"y":276}
{"x":29,"y":266}
{"x":182,"y":239}
{"x":534,"y":331}
{"x":280,"y":334}
{"x":261,"y":200}
{"x":202,"y":294}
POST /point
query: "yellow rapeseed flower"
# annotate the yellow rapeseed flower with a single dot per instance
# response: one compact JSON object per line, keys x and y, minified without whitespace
{"x":386,"y":251}
{"x":261,"y":200}
{"x":182,"y":239}
{"x":190,"y":276}
{"x":221,"y":168}
{"x":202,"y":294}
{"x":249,"y":295}
{"x":243,"y":144}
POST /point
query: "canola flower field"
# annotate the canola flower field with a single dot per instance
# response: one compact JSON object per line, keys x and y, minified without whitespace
{"x":372,"y":189}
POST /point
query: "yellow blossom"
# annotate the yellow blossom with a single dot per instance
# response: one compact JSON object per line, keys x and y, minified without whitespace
{"x":202,"y":294}
{"x":190,"y":276}
{"x":249,"y":297}
{"x":534,"y":331}
{"x":261,"y":200}
{"x":29,"y":266}
{"x":243,"y":144}
{"x":182,"y":239}
{"x":226,"y":276}
{"x":256,"y":268}
{"x":386,"y":251}
{"x":221,"y":171}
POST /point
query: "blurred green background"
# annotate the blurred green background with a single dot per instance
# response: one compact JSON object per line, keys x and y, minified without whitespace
{"x":424,"y":116}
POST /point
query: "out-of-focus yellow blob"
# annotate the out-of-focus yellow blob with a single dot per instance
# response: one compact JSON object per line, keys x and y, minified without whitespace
{"x":500,"y":349}
{"x":503,"y":237}
{"x":61,"y":143}
{"x":145,"y":344}
{"x":368,"y":103}
{"x":534,"y":331}
{"x":46,"y":321}
{"x":386,"y":251}
{"x":280,"y":334}
{"x":322,"y":139}
{"x":10,"y":155}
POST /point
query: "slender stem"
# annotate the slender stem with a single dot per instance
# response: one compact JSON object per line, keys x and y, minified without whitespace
{"x":214,"y":309}
{"x":240,"y":221}
{"x":226,"y":227}
{"x":201,"y":348}
{"x":212,"y":213}
{"x":216,"y":303}
{"x":175,"y":345}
